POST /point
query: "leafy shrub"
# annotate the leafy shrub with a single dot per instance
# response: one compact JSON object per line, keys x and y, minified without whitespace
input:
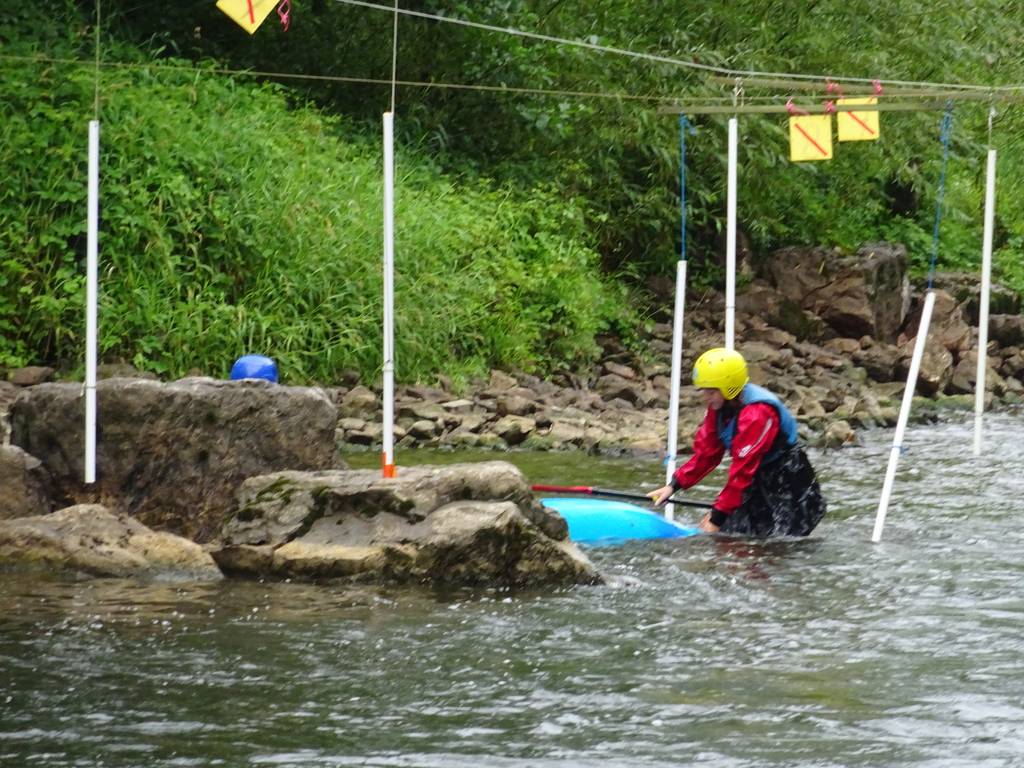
{"x":233,"y":223}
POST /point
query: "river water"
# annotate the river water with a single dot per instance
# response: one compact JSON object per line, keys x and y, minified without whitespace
{"x":825,"y":652}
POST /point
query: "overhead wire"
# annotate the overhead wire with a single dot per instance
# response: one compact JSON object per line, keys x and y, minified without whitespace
{"x":695,"y":65}
{"x":371,"y":81}
{"x":960,"y":91}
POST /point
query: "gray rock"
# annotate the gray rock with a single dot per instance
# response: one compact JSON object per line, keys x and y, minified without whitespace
{"x":30,"y":375}
{"x":173,"y":454}
{"x":513,"y":429}
{"x":867,"y":293}
{"x":466,"y":524}
{"x":24,"y":484}
{"x":947,"y":325}
{"x":936,"y":365}
{"x":91,"y":539}
{"x":1007,"y":330}
{"x":359,"y":402}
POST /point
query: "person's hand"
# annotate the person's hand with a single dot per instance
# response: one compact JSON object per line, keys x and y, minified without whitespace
{"x":661,"y":495}
{"x":706,"y":525}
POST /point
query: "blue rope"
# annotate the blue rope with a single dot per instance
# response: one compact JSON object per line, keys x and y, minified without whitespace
{"x":684,"y":127}
{"x":947,"y":129}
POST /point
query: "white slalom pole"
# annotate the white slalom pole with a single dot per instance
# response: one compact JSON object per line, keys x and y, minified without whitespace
{"x":730,"y":238}
{"x":388,"y":456}
{"x":986,"y":288}
{"x":91,"y":298}
{"x":677,"y":365}
{"x":901,"y":424}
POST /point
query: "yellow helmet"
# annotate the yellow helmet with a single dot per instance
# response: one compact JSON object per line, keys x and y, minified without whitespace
{"x":721,"y":369}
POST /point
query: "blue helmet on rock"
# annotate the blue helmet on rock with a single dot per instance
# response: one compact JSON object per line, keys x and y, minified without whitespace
{"x":254,"y":367}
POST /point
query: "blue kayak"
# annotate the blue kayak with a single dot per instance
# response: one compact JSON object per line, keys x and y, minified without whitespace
{"x":599,"y":521}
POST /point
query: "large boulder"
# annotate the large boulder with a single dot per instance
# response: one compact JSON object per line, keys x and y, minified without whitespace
{"x":172,"y":455}
{"x":865,"y":294}
{"x":462,"y":523}
{"x":91,"y":539}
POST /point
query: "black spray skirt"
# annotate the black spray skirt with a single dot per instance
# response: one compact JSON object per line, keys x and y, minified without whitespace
{"x":783,"y":500}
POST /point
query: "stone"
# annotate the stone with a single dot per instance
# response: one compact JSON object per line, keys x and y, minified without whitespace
{"x":30,"y":375}
{"x":172,"y":455}
{"x":501,"y":381}
{"x":471,"y":524}
{"x":513,"y":429}
{"x":612,"y":386}
{"x":515,"y":406}
{"x":865,"y":293}
{"x":838,"y":434}
{"x":92,"y":539}
{"x":359,"y":402}
{"x":947,"y":324}
{"x":936,"y":365}
{"x":620,"y":370}
{"x":24,"y":484}
{"x":965,"y":377}
{"x":1007,"y":330}
{"x":966,"y":289}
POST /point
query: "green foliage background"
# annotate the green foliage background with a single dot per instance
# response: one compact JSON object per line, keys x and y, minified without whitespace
{"x":242,"y":213}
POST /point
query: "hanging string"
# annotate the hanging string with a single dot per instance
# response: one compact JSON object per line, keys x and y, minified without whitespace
{"x":96,"y":78}
{"x":685,"y":126}
{"x":394,"y":57}
{"x":947,"y":129}
{"x":284,"y":12}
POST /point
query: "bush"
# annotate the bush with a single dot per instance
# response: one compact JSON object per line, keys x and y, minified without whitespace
{"x":233,"y":223}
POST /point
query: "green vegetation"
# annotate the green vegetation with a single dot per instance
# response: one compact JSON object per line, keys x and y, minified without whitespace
{"x":232,"y":223}
{"x":241,"y":215}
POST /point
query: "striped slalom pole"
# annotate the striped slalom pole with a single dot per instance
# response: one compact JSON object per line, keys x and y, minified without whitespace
{"x":986,"y":288}
{"x":730,"y":237}
{"x":677,"y":322}
{"x":92,"y":298}
{"x":901,"y":424}
{"x":388,"y":394}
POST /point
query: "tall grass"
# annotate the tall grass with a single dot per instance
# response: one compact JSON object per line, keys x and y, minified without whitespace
{"x":233,"y":222}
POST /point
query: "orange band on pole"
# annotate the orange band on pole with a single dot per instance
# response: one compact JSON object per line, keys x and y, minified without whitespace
{"x":388,"y":469}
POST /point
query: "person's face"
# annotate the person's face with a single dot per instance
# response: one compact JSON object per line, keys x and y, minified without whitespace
{"x":713,"y":398}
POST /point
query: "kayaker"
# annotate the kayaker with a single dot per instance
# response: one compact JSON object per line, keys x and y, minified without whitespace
{"x":772,"y":489}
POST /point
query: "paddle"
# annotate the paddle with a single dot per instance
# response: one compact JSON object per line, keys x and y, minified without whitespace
{"x":589,"y":491}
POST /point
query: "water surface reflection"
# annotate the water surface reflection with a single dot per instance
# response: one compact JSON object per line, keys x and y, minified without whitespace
{"x":710,"y":652}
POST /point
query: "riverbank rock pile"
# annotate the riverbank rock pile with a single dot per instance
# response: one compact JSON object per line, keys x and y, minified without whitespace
{"x":832,"y":333}
{"x":199,"y":477}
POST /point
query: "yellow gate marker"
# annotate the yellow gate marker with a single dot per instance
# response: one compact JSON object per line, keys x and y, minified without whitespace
{"x":810,"y":137}
{"x":857,"y":125}
{"x":248,"y":14}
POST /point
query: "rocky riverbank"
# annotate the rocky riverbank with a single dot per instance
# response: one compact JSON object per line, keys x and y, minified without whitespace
{"x":201,"y":459}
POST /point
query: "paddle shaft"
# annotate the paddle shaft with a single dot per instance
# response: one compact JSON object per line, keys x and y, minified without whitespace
{"x":589,"y":491}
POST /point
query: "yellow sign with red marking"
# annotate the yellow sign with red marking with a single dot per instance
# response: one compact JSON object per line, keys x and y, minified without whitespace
{"x":857,"y":125}
{"x":248,"y":14}
{"x":810,"y":137}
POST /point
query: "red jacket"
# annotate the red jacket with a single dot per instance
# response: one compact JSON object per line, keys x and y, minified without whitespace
{"x":756,"y":431}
